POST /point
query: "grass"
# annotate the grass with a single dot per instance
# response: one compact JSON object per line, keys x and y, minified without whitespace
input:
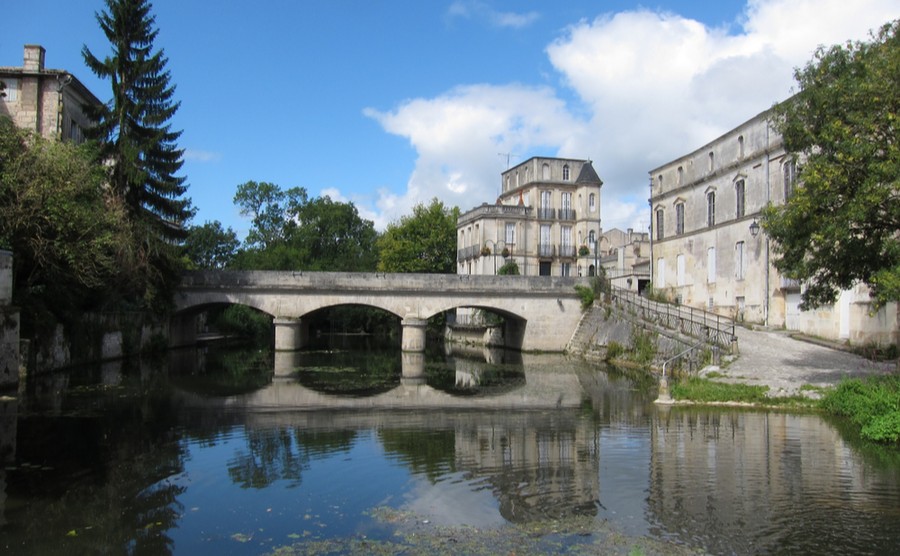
{"x":872,"y":404}
{"x":702,"y":390}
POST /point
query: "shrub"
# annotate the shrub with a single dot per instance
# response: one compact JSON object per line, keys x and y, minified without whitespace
{"x":873,"y":405}
{"x":586,"y":295}
{"x":614,"y":350}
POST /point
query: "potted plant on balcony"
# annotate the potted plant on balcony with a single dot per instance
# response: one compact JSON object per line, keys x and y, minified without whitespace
{"x":505,"y":252}
{"x":583,"y":251}
{"x":485,"y":251}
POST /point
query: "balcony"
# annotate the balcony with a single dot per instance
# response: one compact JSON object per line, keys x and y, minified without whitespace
{"x":567,"y":214}
{"x":467,"y":253}
{"x":546,"y":250}
{"x":544,"y":213}
{"x":567,"y":251}
{"x":485,"y":211}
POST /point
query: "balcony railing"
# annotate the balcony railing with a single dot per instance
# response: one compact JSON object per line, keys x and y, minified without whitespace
{"x":467,"y":253}
{"x":494,"y":210}
{"x":567,"y":214}
{"x":567,"y":251}
{"x":546,"y":213}
{"x":545,"y":249}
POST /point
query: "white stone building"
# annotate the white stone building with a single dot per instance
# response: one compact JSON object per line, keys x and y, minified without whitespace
{"x":625,"y":258}
{"x":546,"y":219}
{"x":709,"y":251}
{"x":47,"y":101}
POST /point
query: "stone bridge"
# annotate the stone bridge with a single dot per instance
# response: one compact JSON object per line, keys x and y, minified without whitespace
{"x":540,"y":312}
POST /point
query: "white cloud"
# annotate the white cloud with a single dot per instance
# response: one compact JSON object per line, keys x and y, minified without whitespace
{"x":201,"y":156}
{"x":472,"y":9}
{"x":656,"y":85}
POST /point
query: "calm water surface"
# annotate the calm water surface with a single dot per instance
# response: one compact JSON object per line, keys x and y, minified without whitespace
{"x":359,"y":451}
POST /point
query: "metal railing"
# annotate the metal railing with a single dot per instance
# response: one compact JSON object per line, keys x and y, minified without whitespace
{"x":545,"y":250}
{"x":710,"y":327}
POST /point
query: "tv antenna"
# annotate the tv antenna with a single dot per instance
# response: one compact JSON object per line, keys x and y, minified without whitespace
{"x":507,"y":155}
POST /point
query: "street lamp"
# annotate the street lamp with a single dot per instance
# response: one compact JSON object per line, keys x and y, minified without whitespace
{"x":754,"y":228}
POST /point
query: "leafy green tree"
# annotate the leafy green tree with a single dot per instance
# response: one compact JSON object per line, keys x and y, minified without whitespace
{"x":842,"y":226}
{"x":210,"y":246}
{"x":270,"y":209}
{"x":422,"y":242}
{"x":290,"y":231}
{"x":71,"y":240}
{"x":332,"y":236}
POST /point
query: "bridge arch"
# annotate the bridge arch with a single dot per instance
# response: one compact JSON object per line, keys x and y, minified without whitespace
{"x":545,"y":310}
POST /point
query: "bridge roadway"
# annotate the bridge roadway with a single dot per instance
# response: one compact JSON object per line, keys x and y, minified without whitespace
{"x":540,"y":312}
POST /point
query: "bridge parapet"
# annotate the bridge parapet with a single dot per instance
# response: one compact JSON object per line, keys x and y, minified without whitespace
{"x":541,"y":311}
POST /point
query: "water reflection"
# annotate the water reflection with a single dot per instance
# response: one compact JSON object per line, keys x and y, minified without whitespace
{"x":195,"y":460}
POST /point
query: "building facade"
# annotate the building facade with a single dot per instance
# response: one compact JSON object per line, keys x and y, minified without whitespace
{"x":46,"y":101}
{"x":709,"y":251}
{"x":625,"y":258}
{"x":546,"y":219}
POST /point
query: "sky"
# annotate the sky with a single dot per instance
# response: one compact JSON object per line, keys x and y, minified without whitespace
{"x":390,"y":103}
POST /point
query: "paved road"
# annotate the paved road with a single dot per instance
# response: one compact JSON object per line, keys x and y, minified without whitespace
{"x":774,"y":359}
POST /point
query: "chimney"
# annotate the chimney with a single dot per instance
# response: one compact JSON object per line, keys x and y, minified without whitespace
{"x":34,"y":57}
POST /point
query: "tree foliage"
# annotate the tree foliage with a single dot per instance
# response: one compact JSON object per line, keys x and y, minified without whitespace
{"x":70,"y":238}
{"x":423,"y":242}
{"x":290,"y":231}
{"x":210,"y":246}
{"x":841,"y":226}
{"x":137,"y":146}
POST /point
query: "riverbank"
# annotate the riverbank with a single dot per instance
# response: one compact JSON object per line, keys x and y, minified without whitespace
{"x":791,"y":367}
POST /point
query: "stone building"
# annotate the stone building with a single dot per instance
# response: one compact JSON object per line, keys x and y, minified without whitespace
{"x":546,"y":219}
{"x":625,"y":258}
{"x":709,"y":251}
{"x":47,"y":101}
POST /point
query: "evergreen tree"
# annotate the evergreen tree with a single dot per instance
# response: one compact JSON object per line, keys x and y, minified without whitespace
{"x":133,"y":130}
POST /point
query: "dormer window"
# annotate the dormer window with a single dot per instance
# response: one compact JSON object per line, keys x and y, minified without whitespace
{"x":566,"y":172}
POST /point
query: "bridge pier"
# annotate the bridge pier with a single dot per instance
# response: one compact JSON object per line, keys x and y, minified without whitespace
{"x":413,"y":338}
{"x":413,"y":368}
{"x":290,"y":334}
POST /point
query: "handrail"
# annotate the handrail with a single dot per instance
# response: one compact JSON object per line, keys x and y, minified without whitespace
{"x":682,"y":354}
{"x":712,"y":327}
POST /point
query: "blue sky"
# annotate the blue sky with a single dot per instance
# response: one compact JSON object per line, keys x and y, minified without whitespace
{"x":391,"y":103}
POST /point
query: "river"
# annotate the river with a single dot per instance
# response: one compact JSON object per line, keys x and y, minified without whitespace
{"x":354,"y":449}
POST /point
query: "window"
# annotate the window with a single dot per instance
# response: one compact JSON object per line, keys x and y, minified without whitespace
{"x":592,"y":239}
{"x":660,"y":220}
{"x":712,"y":161}
{"x":740,"y":146}
{"x":565,"y":241}
{"x":679,"y":218}
{"x":545,"y":210}
{"x":592,"y":202}
{"x":739,"y":260}
{"x":566,"y":269}
{"x":711,"y":265}
{"x":566,"y":206}
{"x":566,"y":172}
{"x":711,"y":209}
{"x":739,"y":195}
{"x":789,"y":170}
{"x":679,"y":270}
{"x":545,"y":248}
{"x":507,"y":183}
{"x":510,"y":234}
{"x":545,"y":172}
{"x":9,"y":89}
{"x":660,"y":273}
{"x":680,"y":175}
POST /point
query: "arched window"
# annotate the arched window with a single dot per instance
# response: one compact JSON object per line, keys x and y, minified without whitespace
{"x":545,"y":172}
{"x":679,"y":218}
{"x":566,"y":172}
{"x":592,"y":202}
{"x":739,"y":197}
{"x":660,"y":221}
{"x":711,"y":209}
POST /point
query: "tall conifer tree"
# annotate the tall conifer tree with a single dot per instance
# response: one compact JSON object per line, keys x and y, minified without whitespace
{"x":133,"y":128}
